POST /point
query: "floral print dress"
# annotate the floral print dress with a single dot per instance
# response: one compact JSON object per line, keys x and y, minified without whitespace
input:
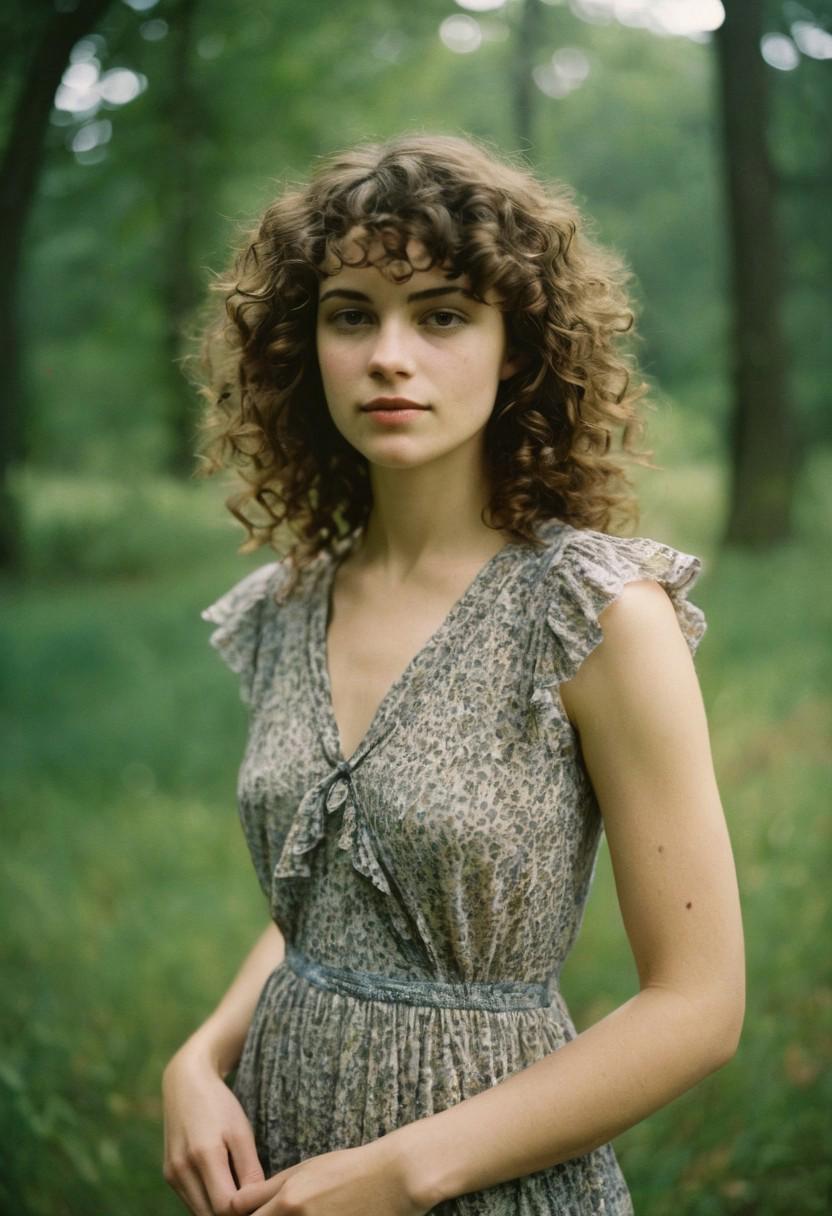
{"x":429,"y":886}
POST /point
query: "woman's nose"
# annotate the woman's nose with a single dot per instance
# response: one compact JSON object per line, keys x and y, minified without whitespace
{"x":392,"y":350}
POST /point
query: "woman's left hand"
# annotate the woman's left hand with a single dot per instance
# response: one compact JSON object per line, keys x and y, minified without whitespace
{"x":371,"y":1180}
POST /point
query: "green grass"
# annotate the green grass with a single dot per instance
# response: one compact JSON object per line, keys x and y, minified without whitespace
{"x":128,"y":899}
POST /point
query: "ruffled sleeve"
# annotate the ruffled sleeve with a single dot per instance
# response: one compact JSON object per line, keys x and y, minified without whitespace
{"x":590,"y":571}
{"x":239,"y":616}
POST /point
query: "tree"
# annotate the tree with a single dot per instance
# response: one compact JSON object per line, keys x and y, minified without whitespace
{"x":181,"y":287}
{"x":19,"y":171}
{"x":763,"y":447}
{"x":527,"y":36}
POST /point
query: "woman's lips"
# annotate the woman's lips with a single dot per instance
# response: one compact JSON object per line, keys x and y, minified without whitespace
{"x":396,"y":413}
{"x":393,"y":403}
{"x":394,"y":409}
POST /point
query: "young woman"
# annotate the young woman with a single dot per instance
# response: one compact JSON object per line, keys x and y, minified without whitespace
{"x":456,"y":677}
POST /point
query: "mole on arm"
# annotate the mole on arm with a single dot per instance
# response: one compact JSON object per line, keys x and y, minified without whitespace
{"x":689,"y":904}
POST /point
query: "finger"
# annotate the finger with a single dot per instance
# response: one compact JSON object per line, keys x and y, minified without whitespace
{"x":244,"y":1159}
{"x":193,"y":1194}
{"x":255,"y":1194}
{"x":217,"y":1179}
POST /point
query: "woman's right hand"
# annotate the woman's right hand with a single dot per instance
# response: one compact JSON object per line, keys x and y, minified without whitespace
{"x":206,"y":1130}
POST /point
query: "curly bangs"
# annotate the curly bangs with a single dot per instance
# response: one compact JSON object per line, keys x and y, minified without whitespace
{"x":549,"y":438}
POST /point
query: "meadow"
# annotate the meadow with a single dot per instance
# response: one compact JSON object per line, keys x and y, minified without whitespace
{"x":128,"y":899}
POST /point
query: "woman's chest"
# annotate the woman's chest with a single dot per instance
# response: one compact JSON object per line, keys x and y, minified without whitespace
{"x":451,"y":732}
{"x":367,"y":652}
{"x":454,"y":785}
{"x":372,"y":640}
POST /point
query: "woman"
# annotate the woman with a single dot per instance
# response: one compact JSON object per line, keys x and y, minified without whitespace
{"x":456,"y":678}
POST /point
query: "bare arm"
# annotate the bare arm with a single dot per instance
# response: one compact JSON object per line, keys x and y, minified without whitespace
{"x":207,"y":1134}
{"x":638,"y":709}
{"x":221,"y":1036}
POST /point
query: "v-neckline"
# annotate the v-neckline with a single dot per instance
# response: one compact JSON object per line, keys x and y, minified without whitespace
{"x":320,"y":606}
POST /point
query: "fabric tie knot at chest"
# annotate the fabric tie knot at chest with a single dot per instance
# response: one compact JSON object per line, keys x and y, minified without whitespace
{"x":338,"y":782}
{"x":335,"y":790}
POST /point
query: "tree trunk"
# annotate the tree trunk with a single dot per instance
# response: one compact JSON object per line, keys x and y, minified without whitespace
{"x":526,"y":41}
{"x":19,"y":173}
{"x":181,"y":286}
{"x":763,"y":430}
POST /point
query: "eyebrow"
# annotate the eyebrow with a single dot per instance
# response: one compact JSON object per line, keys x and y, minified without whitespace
{"x":428,"y":294}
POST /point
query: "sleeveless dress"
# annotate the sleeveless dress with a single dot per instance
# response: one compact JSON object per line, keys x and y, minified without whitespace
{"x":430,"y":886}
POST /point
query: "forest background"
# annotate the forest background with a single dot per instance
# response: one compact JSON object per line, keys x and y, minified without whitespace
{"x":139,"y":137}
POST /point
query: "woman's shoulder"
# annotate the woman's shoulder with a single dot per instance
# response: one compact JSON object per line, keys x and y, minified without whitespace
{"x":242,"y":602}
{"x":585,"y":571}
{"x":241,"y":613}
{"x":571,"y":548}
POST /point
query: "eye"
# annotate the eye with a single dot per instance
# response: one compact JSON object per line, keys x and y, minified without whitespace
{"x":348,"y":318}
{"x":445,"y":319}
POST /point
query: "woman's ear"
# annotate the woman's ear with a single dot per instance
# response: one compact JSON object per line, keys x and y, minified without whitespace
{"x":514,"y":362}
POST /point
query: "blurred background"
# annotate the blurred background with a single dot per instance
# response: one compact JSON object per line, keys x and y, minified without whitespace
{"x":137,"y":138}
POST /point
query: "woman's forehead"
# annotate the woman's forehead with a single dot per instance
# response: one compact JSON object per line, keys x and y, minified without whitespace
{"x":397,"y":277}
{"x":392,"y":275}
{"x":371,"y":250}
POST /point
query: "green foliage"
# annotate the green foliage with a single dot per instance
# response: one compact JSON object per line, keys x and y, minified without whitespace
{"x":125,"y":528}
{"x":128,"y":900}
{"x":272,"y":90}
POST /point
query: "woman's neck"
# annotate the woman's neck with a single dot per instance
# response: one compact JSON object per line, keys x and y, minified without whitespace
{"x":427,"y":514}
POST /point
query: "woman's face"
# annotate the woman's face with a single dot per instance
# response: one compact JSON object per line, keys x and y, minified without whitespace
{"x":424,"y":341}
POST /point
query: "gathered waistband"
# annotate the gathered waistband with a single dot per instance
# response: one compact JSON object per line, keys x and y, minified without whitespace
{"x":496,"y":995}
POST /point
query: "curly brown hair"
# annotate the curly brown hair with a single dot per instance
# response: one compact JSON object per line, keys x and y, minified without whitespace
{"x":548,"y":439}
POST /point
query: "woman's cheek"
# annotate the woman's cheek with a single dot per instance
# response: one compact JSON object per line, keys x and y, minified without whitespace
{"x":333,"y":370}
